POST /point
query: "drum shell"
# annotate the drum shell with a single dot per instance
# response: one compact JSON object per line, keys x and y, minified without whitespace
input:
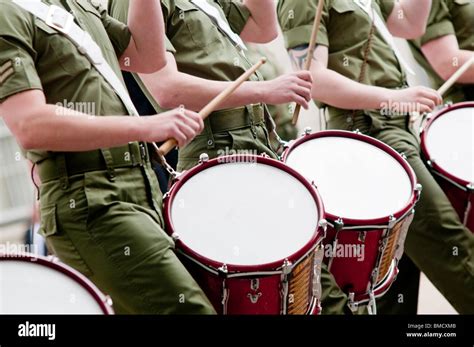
{"x":459,"y":192}
{"x":237,"y":280}
{"x":351,"y":275}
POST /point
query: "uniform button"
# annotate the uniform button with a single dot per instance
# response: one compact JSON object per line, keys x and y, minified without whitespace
{"x":349,"y":120}
{"x":210,"y":143}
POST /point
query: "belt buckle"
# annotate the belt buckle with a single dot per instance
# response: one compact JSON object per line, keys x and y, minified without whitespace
{"x":59,"y":19}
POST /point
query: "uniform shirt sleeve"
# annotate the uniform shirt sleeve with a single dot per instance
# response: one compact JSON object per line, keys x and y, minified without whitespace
{"x":296,"y":20}
{"x":17,"y":53}
{"x":439,"y":23}
{"x":118,"y":9}
{"x":237,"y":14}
{"x":117,"y":30}
{"x":386,"y":7}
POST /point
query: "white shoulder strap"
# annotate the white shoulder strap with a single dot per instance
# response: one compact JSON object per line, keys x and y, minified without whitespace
{"x":366,"y":5}
{"x":222,"y":23}
{"x":63,"y":21}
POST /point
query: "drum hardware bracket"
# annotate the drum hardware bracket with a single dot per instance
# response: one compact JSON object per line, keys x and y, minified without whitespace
{"x":175,"y":237}
{"x":223,"y":270}
{"x":323,"y":224}
{"x":392,"y":221}
{"x":404,"y":156}
{"x":339,"y":224}
{"x":108,"y":300}
{"x":470,"y":187}
{"x":203,"y":158}
{"x":307,"y":131}
{"x":357,"y":132}
{"x":418,"y":190}
{"x":254,"y":297}
{"x":353,"y":306}
{"x":255,"y":284}
{"x":372,"y":306}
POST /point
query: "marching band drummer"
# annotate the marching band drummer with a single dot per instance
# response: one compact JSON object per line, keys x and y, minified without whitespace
{"x":447,"y":44}
{"x":205,"y":56}
{"x":100,"y":201}
{"x":357,"y":68}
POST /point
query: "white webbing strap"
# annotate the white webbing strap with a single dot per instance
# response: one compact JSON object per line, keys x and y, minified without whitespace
{"x":63,"y":22}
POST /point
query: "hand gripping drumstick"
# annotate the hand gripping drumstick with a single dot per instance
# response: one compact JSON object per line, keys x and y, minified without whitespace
{"x":212,"y":106}
{"x":448,"y":84}
{"x":453,"y":79}
{"x":312,"y":47}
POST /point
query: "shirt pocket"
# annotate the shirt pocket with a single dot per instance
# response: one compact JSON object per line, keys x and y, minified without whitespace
{"x":202,"y":30}
{"x":463,"y":2}
{"x":59,"y":242}
{"x":62,"y":50}
{"x":343,"y":6}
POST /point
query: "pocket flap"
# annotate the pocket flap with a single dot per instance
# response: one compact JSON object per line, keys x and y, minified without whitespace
{"x":48,"y":221}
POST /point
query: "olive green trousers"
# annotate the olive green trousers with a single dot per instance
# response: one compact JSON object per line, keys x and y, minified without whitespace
{"x":111,"y":231}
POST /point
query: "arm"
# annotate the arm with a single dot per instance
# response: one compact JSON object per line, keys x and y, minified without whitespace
{"x":171,"y":88}
{"x":37,"y":125}
{"x":336,"y":90}
{"x":146,"y":51}
{"x":262,"y":26}
{"x":409,"y":18}
{"x":445,"y":56}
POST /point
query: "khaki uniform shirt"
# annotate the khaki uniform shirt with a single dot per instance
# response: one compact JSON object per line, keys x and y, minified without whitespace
{"x":447,"y":17}
{"x":345,"y":29}
{"x":35,"y":56}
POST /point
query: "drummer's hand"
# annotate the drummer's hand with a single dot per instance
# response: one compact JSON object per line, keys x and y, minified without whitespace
{"x":416,"y":99}
{"x":179,"y":124}
{"x":292,"y":87}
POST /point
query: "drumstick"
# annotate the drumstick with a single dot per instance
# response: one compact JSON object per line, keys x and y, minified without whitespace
{"x":214,"y":104}
{"x":453,"y":79}
{"x":312,"y":47}
{"x":448,"y":84}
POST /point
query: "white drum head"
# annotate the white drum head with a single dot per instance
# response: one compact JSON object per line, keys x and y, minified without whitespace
{"x":356,"y":180}
{"x":244,"y":214}
{"x":450,"y":142}
{"x":32,"y":288}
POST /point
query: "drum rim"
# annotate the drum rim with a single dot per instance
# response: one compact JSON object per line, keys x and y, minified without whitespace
{"x":52,"y":263}
{"x":424,"y":147}
{"x":233,"y":268}
{"x":379,"y":144}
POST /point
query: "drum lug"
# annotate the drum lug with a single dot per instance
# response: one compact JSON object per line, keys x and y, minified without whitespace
{"x":448,"y":104}
{"x":353,"y":306}
{"x":254,"y":286}
{"x":175,"y":237}
{"x":287,"y":267}
{"x":392,"y":221}
{"x":223,"y":270}
{"x":470,"y":187}
{"x":108,"y":301}
{"x":403,"y":155}
{"x":357,"y":132}
{"x":307,"y":131}
{"x":339,"y":224}
{"x":203,"y":158}
{"x":430,"y":162}
{"x":323,"y":224}
{"x":418,"y":190}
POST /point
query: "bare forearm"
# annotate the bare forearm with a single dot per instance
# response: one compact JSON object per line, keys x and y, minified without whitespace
{"x":446,"y":65}
{"x":195,"y":93}
{"x":145,"y":21}
{"x":409,"y":18}
{"x":334,"y":89}
{"x":55,"y":129}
